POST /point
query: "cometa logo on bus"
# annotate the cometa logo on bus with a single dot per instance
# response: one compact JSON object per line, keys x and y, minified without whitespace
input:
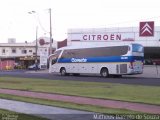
{"x":78,"y":60}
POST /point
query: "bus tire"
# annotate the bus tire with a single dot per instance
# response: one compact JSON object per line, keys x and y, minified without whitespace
{"x":117,"y":76}
{"x":104,"y":72}
{"x":63,"y":72}
{"x":76,"y":74}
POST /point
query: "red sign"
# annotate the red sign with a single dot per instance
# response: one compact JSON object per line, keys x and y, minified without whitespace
{"x":103,"y":37}
{"x":146,"y":29}
{"x":43,"y":42}
{"x":100,"y":37}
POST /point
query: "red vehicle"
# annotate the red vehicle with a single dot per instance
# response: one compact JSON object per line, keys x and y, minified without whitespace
{"x":156,"y":61}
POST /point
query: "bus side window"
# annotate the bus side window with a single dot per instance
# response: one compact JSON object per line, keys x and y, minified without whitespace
{"x":68,"y":54}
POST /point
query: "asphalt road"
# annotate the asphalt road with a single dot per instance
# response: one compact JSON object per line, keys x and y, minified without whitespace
{"x":88,"y":78}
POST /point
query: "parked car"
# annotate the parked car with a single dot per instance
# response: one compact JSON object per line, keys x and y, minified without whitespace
{"x":19,"y":66}
{"x":156,"y":61}
{"x":34,"y":67}
{"x":148,"y":62}
{"x":152,"y":62}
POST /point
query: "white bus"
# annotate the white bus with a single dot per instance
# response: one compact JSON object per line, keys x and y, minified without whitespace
{"x":111,"y":60}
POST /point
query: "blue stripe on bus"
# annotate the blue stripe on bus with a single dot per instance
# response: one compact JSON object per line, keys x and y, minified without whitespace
{"x":101,"y":59}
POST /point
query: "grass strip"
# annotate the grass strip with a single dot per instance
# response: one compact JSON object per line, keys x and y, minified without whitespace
{"x":131,"y":93}
{"x":90,"y":108}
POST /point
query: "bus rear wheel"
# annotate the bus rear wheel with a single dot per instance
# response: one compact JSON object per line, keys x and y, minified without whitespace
{"x":104,"y":72}
{"x":63,"y":71}
{"x":76,"y":74}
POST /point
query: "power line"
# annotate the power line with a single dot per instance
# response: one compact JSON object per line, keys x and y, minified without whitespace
{"x":38,"y":19}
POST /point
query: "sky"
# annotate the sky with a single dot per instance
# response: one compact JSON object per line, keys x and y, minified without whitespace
{"x":16,"y":22}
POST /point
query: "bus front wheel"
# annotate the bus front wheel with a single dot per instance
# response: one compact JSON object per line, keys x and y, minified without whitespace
{"x":63,"y":71}
{"x":104,"y":72}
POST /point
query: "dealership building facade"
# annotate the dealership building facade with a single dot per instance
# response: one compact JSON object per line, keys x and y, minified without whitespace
{"x":146,"y":34}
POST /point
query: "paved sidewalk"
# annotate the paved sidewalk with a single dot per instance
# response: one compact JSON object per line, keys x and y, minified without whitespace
{"x":146,"y":108}
{"x":49,"y":112}
{"x":149,"y":71}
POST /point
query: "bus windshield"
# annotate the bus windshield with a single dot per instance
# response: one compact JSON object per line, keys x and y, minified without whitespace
{"x":137,"y":48}
{"x":55,"y":57}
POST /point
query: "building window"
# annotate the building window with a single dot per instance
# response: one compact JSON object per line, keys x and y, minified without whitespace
{"x":30,"y":50}
{"x":13,"y":50}
{"x":24,"y":51}
{"x":3,"y":51}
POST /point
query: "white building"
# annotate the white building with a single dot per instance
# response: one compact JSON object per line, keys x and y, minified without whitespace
{"x":24,"y":54}
{"x":112,"y":36}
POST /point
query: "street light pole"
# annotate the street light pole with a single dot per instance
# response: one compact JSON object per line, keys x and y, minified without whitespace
{"x":50,"y":18}
{"x":51,"y":40}
{"x":36,"y":47}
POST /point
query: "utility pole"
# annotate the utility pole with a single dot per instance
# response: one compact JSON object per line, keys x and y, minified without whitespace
{"x":50,"y":18}
{"x":36,"y":60}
